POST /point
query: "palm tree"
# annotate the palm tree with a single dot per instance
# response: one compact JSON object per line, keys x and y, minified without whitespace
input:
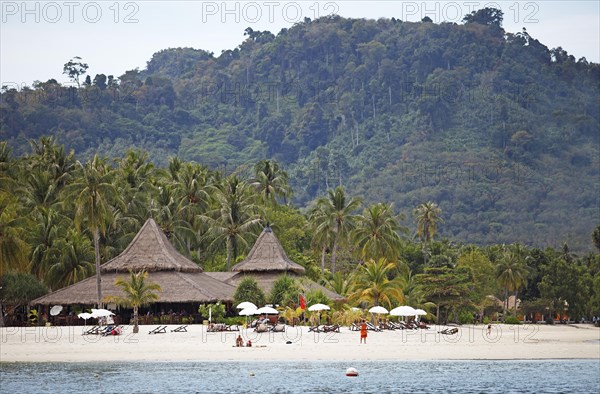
{"x":235,"y":217}
{"x":376,"y":233}
{"x":427,"y":215}
{"x":270,"y":181}
{"x":335,"y":214}
{"x":92,"y":193}
{"x":322,"y":232}
{"x":374,"y":286}
{"x":511,"y":274}
{"x":14,"y":250}
{"x":74,"y":262}
{"x":137,"y":293}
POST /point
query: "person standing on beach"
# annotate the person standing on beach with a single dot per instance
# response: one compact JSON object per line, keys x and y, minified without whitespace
{"x":363,"y":332}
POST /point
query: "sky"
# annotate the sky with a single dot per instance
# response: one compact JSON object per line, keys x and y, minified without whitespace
{"x":37,"y":38}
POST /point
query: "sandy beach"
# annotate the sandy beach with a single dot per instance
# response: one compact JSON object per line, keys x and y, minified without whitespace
{"x":67,"y":344}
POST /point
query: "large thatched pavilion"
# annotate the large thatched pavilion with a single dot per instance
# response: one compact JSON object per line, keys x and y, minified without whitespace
{"x":267,"y":262}
{"x":184,"y":285}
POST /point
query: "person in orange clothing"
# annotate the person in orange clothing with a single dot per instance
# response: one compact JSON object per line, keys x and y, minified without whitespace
{"x":363,"y":332}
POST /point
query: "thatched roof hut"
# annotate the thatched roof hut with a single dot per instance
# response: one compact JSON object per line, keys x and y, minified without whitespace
{"x":267,"y":255}
{"x":180,"y":279}
{"x":266,"y":262}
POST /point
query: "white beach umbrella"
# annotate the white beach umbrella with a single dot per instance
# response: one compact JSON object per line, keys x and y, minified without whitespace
{"x":420,"y":312}
{"x":318,"y":307}
{"x":267,"y":310}
{"x":101,"y":313}
{"x":246,"y":304}
{"x":247,"y":312}
{"x":55,"y":310}
{"x":378,"y":310}
{"x":84,"y":316}
{"x":403,"y":310}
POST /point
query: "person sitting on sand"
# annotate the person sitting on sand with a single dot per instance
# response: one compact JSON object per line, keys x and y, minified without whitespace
{"x":239,"y":342}
{"x":249,"y":343}
{"x":489,"y":329}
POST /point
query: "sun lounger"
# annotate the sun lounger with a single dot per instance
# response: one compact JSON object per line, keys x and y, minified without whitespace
{"x":354,"y":327}
{"x":233,"y":327}
{"x":159,"y":330}
{"x":449,"y":331}
{"x":371,"y":327}
{"x":180,"y":329}
{"x":314,"y":329}
{"x":112,"y":330}
{"x":279,"y":328}
{"x":263,"y":328}
{"x":91,"y":331}
{"x":332,"y":328}
{"x":423,"y":326}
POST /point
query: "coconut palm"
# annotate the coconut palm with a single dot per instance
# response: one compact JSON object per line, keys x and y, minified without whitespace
{"x":74,"y":260}
{"x":92,"y":193}
{"x":14,"y":250}
{"x":511,"y":274}
{"x":137,"y":293}
{"x":376,"y":233}
{"x":235,"y":218}
{"x":374,"y":286}
{"x":427,"y":216}
{"x":334,"y":214}
{"x":270,"y":181}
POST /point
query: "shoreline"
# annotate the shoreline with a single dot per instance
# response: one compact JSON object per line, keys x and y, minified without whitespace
{"x":506,"y":342}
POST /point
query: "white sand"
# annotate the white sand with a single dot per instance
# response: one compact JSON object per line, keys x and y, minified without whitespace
{"x":42,"y":344}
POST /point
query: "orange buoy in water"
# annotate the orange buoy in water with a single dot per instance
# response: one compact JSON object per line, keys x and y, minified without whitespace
{"x":351,"y":372}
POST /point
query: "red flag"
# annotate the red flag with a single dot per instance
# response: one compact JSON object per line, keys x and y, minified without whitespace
{"x":302,"y":302}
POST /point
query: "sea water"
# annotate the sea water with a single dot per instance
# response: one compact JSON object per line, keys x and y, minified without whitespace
{"x":522,"y":376}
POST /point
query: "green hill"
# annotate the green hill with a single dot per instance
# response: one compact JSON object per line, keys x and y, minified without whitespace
{"x":499,"y":130}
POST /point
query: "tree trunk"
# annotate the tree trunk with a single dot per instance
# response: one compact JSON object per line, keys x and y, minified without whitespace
{"x":323,"y":258}
{"x":437,"y":313}
{"x":98,"y":276}
{"x":136,"y":328}
{"x":334,"y":253}
{"x":1,"y":316}
{"x":505,"y":304}
{"x":229,"y":246}
{"x":515,"y":309}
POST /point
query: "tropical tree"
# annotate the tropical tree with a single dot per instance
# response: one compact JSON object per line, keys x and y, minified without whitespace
{"x":92,"y":193}
{"x":270,"y":181}
{"x":374,"y":286}
{"x":446,"y":287}
{"x":285,"y":291}
{"x":14,"y":250}
{"x":16,"y":289}
{"x":334,"y":219}
{"x":74,"y":260}
{"x":249,"y":291}
{"x":138,"y":293}
{"x":427,"y":216}
{"x":376,"y":233}
{"x":235,"y":218}
{"x":511,"y":273}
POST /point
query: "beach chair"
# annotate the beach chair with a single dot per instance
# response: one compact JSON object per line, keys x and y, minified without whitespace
{"x":233,"y":327}
{"x":371,"y":326}
{"x":159,"y":330}
{"x":263,"y":328}
{"x":278,"y":328}
{"x":91,"y":331}
{"x":354,"y":327}
{"x":180,"y":329}
{"x":449,"y":331}
{"x":332,"y":328}
{"x":314,"y":329}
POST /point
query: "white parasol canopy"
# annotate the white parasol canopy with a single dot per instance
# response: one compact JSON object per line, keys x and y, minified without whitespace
{"x":247,"y":312}
{"x":267,"y":310}
{"x":318,"y":307}
{"x":403,"y":310}
{"x":420,"y":312}
{"x":55,"y":310}
{"x":378,"y":310}
{"x":245,"y":305}
{"x":84,"y":315}
{"x":101,"y":313}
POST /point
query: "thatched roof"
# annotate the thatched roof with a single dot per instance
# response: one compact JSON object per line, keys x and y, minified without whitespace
{"x":265,"y":281}
{"x":267,"y":255}
{"x":177,"y":287}
{"x":150,"y":250}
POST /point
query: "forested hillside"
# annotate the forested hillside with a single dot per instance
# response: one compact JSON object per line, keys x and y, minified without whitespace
{"x":497,"y":129}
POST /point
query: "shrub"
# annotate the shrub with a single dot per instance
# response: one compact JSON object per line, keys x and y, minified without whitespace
{"x":512,"y":320}
{"x":466,"y":317}
{"x":248,"y":290}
